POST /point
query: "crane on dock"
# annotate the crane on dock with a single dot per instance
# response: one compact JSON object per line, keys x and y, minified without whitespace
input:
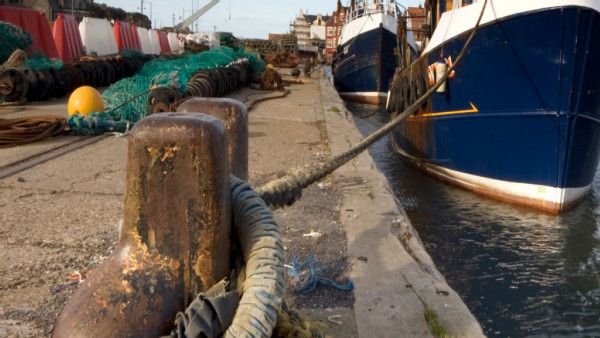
{"x":188,"y":21}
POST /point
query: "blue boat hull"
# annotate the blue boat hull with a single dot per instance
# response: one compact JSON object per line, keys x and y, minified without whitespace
{"x":363,"y":71}
{"x":520,"y":120}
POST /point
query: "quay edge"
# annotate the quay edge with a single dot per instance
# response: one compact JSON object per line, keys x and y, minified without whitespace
{"x":398,"y":278}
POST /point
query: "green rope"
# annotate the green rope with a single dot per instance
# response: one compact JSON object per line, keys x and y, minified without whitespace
{"x":96,"y":124}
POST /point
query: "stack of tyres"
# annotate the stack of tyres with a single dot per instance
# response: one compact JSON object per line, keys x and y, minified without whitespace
{"x":43,"y":84}
{"x":203,"y":83}
{"x":220,"y":81}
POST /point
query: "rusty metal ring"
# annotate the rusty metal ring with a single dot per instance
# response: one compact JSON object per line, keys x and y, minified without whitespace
{"x":13,"y":85}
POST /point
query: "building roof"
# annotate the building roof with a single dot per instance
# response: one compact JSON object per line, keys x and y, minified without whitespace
{"x":311,"y":18}
{"x":275,"y":37}
{"x":416,"y":11}
{"x":330,"y":22}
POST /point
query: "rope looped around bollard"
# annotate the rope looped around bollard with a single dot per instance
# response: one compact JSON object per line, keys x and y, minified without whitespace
{"x":262,"y":248}
{"x":262,"y":287}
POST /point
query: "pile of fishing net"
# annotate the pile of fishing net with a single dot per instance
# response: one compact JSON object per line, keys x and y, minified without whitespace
{"x":125,"y":100}
{"x":13,"y":38}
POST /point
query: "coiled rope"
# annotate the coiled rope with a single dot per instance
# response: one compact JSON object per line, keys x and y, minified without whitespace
{"x":24,"y":130}
{"x":288,"y":189}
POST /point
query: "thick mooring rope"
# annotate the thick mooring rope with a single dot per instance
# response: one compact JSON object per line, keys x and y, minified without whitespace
{"x":262,"y":247}
{"x":251,"y":103}
{"x":288,"y":189}
{"x":262,"y":285}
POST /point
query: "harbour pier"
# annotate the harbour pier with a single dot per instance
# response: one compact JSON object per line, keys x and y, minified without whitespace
{"x":62,"y":201}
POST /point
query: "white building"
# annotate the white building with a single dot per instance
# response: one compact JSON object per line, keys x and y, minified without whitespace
{"x":309,"y":31}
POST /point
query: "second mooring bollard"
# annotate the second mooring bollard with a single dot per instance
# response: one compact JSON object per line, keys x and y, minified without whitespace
{"x":176,"y":234}
{"x":235,"y":117}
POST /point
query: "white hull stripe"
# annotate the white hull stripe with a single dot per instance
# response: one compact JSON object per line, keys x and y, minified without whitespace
{"x":365,"y":94}
{"x":367,"y":23}
{"x":456,"y":22}
{"x":560,"y":196}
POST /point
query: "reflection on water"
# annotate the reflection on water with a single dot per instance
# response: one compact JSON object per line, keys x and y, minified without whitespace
{"x":521,"y":272}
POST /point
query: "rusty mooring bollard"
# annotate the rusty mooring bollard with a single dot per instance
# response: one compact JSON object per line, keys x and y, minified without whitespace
{"x":235,"y":117}
{"x":176,"y":234}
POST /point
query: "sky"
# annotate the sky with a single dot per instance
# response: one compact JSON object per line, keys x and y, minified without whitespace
{"x":251,"y":19}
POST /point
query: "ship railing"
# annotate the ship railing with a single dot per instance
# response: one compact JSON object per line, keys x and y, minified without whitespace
{"x":370,"y":9}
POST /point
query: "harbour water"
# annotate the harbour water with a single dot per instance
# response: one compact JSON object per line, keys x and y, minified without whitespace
{"x":521,"y":272}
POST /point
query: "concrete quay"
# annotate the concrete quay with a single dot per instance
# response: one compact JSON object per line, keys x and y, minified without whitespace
{"x":62,"y":198}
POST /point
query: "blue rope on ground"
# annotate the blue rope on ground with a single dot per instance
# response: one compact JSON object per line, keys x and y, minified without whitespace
{"x":307,"y":279}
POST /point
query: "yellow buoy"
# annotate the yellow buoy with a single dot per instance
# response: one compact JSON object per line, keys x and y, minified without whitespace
{"x":85,"y":100}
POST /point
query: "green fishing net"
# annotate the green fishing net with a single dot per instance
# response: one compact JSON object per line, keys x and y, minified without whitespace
{"x":12,"y":38}
{"x":41,"y":62}
{"x":131,"y":52}
{"x":164,"y":72}
{"x":125,"y":100}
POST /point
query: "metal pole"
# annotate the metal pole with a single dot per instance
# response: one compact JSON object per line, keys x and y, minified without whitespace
{"x":148,"y":2}
{"x":142,"y":7}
